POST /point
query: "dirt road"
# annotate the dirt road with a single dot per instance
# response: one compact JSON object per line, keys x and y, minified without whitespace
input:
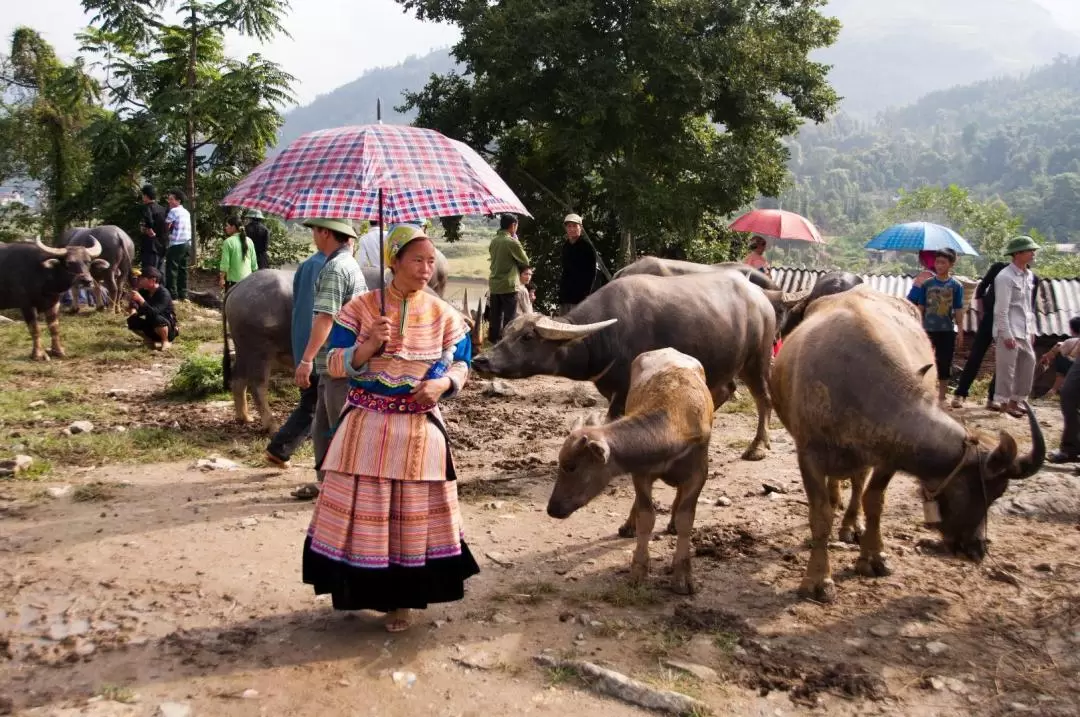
{"x":165,"y":589}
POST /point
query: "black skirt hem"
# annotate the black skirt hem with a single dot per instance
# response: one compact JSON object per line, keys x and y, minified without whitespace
{"x":392,"y":588}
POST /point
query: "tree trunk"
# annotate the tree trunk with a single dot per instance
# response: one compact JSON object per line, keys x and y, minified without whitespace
{"x":189,"y":139}
{"x":59,"y":184}
{"x":628,"y":246}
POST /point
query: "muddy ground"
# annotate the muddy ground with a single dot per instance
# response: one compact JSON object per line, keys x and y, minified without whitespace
{"x":167,"y":589}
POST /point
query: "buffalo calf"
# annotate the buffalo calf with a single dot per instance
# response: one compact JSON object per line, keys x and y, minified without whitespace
{"x":664,"y":434}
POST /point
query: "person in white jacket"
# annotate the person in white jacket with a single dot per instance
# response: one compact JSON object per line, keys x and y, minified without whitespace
{"x":1014,"y":326}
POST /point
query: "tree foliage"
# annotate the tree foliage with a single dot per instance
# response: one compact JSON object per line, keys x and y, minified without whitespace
{"x":646,"y":117}
{"x":186,"y":115}
{"x":45,"y":107}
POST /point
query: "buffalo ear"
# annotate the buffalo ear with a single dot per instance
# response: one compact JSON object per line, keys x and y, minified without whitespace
{"x":51,"y":263}
{"x":1003,"y":457}
{"x":599,"y":448}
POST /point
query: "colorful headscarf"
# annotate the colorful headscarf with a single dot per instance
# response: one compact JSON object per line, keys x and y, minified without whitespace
{"x":926,"y":258}
{"x":401,"y":235}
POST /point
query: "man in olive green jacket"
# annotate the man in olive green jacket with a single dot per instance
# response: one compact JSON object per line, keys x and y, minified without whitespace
{"x":508,"y":258}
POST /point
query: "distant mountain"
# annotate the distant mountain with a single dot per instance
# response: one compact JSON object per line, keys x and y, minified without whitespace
{"x":890,"y":53}
{"x":354,"y":103}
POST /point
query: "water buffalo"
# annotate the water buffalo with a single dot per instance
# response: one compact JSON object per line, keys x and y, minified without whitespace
{"x":829,"y":283}
{"x":664,"y":434}
{"x":117,"y":249}
{"x":854,"y":387}
{"x":34,"y":276}
{"x":717,"y":317}
{"x":656,"y":266}
{"x":257,"y":314}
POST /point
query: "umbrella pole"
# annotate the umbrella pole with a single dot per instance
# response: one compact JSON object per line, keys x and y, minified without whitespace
{"x":382,"y":249}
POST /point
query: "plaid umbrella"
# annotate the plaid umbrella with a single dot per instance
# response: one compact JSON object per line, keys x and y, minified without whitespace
{"x":343,"y":173}
{"x":920,"y":236}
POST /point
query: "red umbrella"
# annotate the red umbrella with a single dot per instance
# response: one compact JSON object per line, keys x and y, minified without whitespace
{"x":778,"y":224}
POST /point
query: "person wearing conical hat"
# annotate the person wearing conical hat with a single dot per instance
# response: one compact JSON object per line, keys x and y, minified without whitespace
{"x":339,"y":281}
{"x":1014,"y":326}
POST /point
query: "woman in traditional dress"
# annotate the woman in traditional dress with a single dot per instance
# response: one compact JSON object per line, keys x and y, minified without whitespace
{"x":386,"y":534}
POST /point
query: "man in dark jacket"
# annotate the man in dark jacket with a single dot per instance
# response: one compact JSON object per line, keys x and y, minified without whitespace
{"x":154,"y":318}
{"x":984,"y":334}
{"x":259,"y":235}
{"x":578,"y":266}
{"x":154,"y":230}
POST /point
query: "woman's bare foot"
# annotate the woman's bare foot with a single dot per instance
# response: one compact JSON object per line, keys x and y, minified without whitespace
{"x":398,"y":620}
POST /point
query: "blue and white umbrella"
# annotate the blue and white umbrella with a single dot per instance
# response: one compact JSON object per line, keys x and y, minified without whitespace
{"x":920,"y":236}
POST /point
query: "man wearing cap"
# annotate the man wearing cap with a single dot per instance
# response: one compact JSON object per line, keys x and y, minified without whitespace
{"x":507,"y":259}
{"x":1014,"y":326}
{"x":259,"y":234}
{"x":578,"y":266}
{"x":297,"y":427}
{"x":339,"y":281}
{"x":154,"y":318}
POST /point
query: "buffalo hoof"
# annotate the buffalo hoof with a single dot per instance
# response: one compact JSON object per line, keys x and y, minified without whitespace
{"x":681,"y":582}
{"x":39,"y":356}
{"x":852,"y":536}
{"x":875,"y":567}
{"x":627,"y":530}
{"x":824,"y":591}
{"x":57,"y":353}
{"x":671,"y":529}
{"x":638,"y":573}
{"x":754,"y":453}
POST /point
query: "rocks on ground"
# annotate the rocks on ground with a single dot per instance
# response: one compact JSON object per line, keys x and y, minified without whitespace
{"x":80,"y":427}
{"x":15,"y":466}
{"x":216,"y":463}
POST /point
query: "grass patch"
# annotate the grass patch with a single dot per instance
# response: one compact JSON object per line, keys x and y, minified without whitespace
{"x":739,"y":444}
{"x":532,"y":592}
{"x":96,"y":492}
{"x":115,"y":693}
{"x":742,"y":402}
{"x":979,"y":388}
{"x":199,"y":376}
{"x":563,"y":675}
{"x":623,"y":594}
{"x":726,"y":641}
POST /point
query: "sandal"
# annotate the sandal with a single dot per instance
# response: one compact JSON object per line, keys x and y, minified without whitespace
{"x":399,"y":622}
{"x":307,"y":492}
{"x":958,"y":402}
{"x":1015,"y":412}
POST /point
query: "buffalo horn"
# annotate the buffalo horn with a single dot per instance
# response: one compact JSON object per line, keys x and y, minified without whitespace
{"x":557,"y":330}
{"x":791,"y":299}
{"x":51,"y":251}
{"x":1032,"y":462}
{"x":94,"y":250}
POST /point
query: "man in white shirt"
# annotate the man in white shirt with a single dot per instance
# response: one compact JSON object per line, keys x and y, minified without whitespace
{"x":176,"y":256}
{"x":369,"y":248}
{"x":1014,"y":326}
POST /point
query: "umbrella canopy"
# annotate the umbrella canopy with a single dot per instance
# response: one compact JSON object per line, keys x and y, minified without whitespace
{"x":920,"y":236}
{"x":778,"y":224}
{"x":341,"y":173}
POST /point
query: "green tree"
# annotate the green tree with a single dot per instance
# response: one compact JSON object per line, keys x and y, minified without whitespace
{"x":174,"y":87}
{"x":647,"y":117}
{"x":45,"y":106}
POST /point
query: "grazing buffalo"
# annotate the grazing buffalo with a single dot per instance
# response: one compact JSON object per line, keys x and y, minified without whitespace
{"x":854,"y":387}
{"x":117,"y":249}
{"x":664,"y":434}
{"x":830,"y":283}
{"x":717,"y":317}
{"x":34,"y":276}
{"x":656,"y":266}
{"x":257,"y":315}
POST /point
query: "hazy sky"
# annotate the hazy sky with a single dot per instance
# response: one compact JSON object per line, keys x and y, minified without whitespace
{"x":333,"y":41}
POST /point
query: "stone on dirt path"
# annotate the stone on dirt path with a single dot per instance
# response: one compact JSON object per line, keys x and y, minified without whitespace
{"x":81,"y":427}
{"x":703,"y":673}
{"x":15,"y":466}
{"x":500,"y":389}
{"x":628,"y":690}
{"x":174,"y":709}
{"x":216,"y":463}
